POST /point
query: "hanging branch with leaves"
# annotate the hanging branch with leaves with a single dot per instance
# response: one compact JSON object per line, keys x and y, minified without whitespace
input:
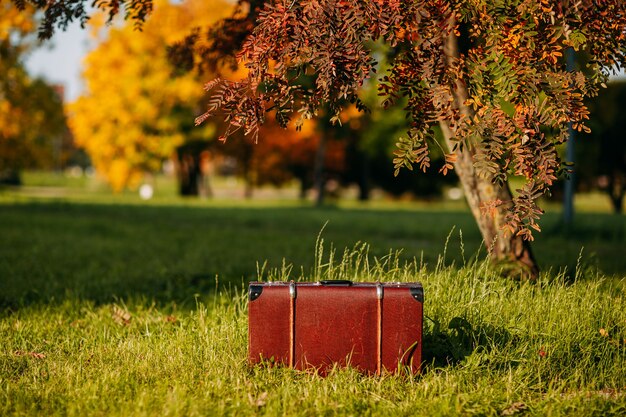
{"x":519,"y":103}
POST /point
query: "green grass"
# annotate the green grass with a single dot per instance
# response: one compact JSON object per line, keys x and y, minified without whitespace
{"x":132,"y":310}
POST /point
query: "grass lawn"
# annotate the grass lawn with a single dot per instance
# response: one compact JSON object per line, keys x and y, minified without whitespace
{"x":127,"y":309}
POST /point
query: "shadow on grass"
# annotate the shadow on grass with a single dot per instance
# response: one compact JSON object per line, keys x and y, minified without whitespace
{"x":448,"y":345}
{"x":54,"y":251}
{"x":51,"y":251}
{"x":183,"y":290}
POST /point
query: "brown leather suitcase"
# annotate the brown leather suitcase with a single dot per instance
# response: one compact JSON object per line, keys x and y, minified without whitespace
{"x":373,"y":327}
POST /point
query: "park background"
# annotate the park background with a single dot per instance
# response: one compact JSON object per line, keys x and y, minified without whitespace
{"x":125,"y":254}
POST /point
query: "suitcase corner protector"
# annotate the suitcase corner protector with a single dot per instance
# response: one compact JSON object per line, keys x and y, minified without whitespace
{"x":418,"y":293}
{"x":254,"y":291}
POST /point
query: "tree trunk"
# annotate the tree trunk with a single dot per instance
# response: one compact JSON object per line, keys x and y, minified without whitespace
{"x":617,"y":201}
{"x":192,"y":179}
{"x":188,"y":174}
{"x":507,"y":249}
{"x":206,"y":168}
{"x":363,"y":183}
{"x":616,"y":189}
{"x":318,"y":170}
{"x":248,"y":180}
{"x":362,"y":173}
{"x":305,"y":185}
{"x":11,"y":177}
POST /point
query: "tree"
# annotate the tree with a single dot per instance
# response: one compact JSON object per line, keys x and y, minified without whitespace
{"x":372,"y":137}
{"x":32,"y":121}
{"x":282,"y":155}
{"x":489,"y":73}
{"x":601,"y":155}
{"x":138,"y":108}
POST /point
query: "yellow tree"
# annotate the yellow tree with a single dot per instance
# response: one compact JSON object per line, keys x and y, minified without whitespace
{"x":138,"y":108}
{"x":15,"y":26}
{"x":31,"y":113}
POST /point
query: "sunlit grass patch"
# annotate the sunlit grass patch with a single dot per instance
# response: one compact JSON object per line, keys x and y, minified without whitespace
{"x":128,"y":310}
{"x":492,"y":346}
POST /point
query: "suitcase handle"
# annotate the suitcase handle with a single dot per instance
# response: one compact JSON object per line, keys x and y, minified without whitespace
{"x":336,"y":282}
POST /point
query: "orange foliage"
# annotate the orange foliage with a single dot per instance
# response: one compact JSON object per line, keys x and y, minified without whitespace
{"x":31,"y":114}
{"x":282,"y":153}
{"x":14,"y":25}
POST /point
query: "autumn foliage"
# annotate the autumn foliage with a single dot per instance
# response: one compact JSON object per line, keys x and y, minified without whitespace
{"x":284,"y":154}
{"x":14,"y":26}
{"x":31,"y":111}
{"x":138,"y":108}
{"x":493,"y":72}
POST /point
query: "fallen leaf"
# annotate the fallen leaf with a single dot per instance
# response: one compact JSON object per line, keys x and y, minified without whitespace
{"x":610,"y":393}
{"x":121,"y":316}
{"x":258,"y":402}
{"x":35,"y":355}
{"x":517,"y":407}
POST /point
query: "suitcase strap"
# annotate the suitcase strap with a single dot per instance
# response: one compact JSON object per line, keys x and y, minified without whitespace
{"x":379,"y":326}
{"x":292,"y":323}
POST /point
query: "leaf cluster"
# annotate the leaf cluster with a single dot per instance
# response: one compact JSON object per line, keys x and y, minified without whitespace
{"x":60,"y":13}
{"x":137,"y":109}
{"x":216,"y":46}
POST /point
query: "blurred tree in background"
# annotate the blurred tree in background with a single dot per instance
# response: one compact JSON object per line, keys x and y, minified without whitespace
{"x":138,"y":109}
{"x":283,"y":155}
{"x":33,"y":132}
{"x":601,"y":154}
{"x":373,"y":143}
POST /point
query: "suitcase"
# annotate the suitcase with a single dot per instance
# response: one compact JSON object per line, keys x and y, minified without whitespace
{"x":373,"y":327}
